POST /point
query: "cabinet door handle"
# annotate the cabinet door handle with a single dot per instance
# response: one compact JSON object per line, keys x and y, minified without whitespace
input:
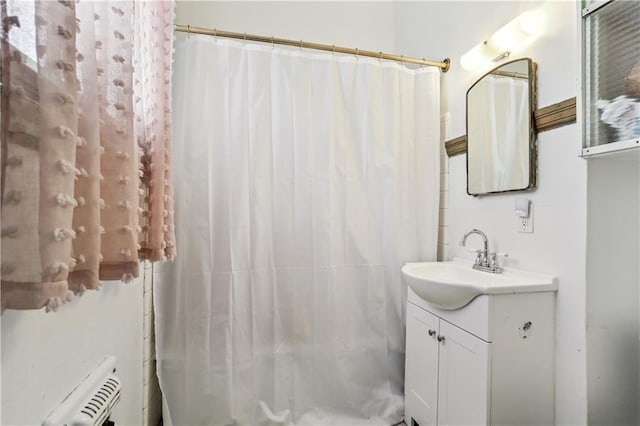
{"x":432,"y":333}
{"x":440,"y":338}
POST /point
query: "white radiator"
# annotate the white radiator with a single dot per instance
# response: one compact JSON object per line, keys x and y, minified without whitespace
{"x":90,"y":403}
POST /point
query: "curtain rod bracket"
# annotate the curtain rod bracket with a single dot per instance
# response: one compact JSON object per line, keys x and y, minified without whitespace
{"x":447,"y":65}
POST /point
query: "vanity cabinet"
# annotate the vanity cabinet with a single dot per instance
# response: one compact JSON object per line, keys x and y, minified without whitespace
{"x":490,"y":362}
{"x":448,"y":380}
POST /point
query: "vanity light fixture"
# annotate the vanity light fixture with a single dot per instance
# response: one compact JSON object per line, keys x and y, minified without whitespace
{"x":515,"y":35}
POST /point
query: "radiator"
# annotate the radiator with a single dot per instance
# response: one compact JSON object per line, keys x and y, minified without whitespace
{"x":91,"y":402}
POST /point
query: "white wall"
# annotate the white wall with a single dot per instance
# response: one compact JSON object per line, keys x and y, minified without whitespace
{"x":151,"y":395}
{"x":613,"y":349}
{"x":363,"y":25}
{"x":443,"y":213}
{"x":557,"y":246}
{"x":46,"y":355}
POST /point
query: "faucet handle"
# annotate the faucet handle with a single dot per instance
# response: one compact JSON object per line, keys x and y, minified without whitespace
{"x":494,"y":257}
{"x":479,"y":256}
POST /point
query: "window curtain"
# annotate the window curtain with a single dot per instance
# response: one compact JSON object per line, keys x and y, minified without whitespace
{"x":73,"y":180}
{"x":304,"y":182}
{"x":153,"y":52}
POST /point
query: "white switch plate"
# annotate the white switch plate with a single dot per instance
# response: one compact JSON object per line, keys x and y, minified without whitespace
{"x":525,"y":224}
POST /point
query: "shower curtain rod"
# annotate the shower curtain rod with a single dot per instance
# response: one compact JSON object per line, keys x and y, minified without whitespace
{"x":443,"y":65}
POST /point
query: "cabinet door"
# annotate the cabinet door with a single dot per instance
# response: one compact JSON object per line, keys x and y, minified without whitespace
{"x":463,"y":378}
{"x":421,"y":368}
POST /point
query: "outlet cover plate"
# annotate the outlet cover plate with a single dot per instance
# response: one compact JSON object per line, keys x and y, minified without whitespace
{"x":524,"y":225}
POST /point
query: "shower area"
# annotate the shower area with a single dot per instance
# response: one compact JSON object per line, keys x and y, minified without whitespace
{"x":304,"y":180}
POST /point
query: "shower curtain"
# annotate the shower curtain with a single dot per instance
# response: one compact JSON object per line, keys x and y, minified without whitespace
{"x":303,"y":182}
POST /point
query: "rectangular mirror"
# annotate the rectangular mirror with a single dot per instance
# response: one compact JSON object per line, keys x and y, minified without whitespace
{"x":501,"y":139}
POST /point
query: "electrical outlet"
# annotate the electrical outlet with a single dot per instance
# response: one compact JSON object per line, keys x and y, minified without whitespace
{"x":525,"y":224}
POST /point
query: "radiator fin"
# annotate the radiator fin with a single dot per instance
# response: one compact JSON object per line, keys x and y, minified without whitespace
{"x":91,"y":402}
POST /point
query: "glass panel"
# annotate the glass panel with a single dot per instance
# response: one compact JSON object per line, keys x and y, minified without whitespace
{"x":612,"y":73}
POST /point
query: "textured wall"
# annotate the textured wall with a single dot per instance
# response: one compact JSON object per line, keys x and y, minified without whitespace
{"x":45,"y":356}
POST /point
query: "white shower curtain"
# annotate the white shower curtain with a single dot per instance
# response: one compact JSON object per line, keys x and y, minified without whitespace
{"x":303,"y":182}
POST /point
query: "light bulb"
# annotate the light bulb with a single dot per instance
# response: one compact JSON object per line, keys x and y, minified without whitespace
{"x":532,"y":22}
{"x":506,"y":38}
{"x":478,"y":57}
{"x":513,"y":36}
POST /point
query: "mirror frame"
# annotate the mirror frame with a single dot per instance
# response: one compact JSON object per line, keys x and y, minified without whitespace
{"x":533,"y":148}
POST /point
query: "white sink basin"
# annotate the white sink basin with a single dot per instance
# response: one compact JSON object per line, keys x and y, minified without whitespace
{"x":452,"y":285}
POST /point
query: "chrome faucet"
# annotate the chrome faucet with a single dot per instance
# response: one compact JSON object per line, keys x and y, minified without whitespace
{"x":485,"y":261}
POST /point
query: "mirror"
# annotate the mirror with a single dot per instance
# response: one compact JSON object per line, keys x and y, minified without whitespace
{"x":501,"y":140}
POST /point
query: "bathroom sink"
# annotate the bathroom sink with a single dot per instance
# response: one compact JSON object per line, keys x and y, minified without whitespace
{"x":452,"y":285}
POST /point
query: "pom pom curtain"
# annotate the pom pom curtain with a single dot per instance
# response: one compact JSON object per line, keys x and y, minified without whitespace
{"x":153,"y":54}
{"x":85,"y":132}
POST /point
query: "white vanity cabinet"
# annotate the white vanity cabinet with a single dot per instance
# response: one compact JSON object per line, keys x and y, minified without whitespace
{"x":447,"y":372}
{"x":490,"y":362}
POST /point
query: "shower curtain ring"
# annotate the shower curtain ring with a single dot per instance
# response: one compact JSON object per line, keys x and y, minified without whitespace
{"x":215,"y":34}
{"x":188,"y":31}
{"x":334,"y":48}
{"x":245,"y":37}
{"x":380,"y":56}
{"x":357,"y":53}
{"x":301,"y":44}
{"x":273,"y":44}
